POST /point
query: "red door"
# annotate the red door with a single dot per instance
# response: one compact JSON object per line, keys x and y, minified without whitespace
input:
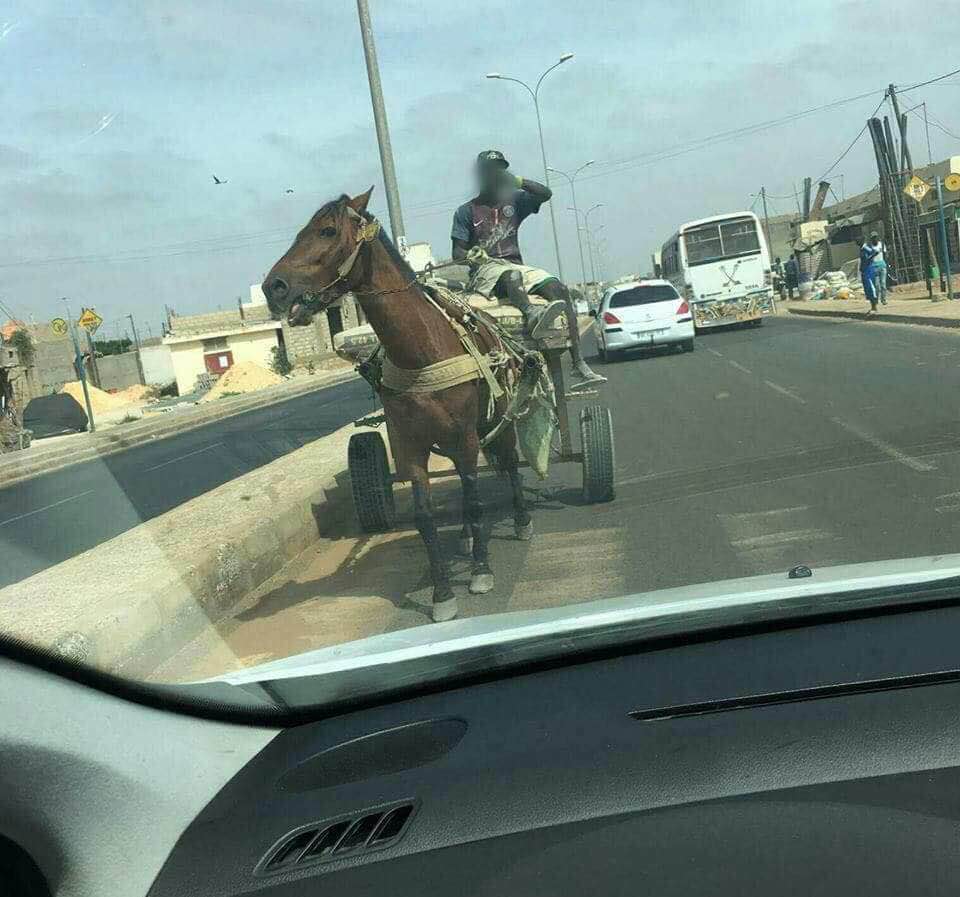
{"x":218,"y":362}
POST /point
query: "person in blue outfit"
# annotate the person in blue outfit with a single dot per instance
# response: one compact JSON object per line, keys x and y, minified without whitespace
{"x":867,"y":273}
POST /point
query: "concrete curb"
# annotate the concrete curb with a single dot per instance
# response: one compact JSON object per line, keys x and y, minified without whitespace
{"x":881,"y":316}
{"x":134,"y":600}
{"x":37,"y":461}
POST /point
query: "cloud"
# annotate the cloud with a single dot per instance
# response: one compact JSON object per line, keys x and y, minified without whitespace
{"x":13,"y":158}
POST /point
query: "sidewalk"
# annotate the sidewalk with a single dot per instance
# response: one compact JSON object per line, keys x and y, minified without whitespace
{"x":900,"y":309}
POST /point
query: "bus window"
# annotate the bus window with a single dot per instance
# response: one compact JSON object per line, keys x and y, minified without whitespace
{"x":703,"y":244}
{"x":739,"y":237}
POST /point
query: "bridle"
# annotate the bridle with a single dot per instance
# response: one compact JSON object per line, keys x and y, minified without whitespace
{"x":367,"y":232}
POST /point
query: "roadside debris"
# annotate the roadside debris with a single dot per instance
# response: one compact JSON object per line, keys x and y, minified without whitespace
{"x":247,"y":376}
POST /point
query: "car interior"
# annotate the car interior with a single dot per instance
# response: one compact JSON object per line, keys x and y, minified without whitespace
{"x":783,"y":757}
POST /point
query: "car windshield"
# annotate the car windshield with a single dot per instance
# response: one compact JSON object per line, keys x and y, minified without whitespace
{"x":310,"y":350}
{"x":642,"y":295}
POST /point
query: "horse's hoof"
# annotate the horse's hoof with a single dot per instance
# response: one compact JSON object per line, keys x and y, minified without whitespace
{"x":444,"y":610}
{"x":481,"y":583}
{"x":524,"y":531}
{"x":466,"y":546}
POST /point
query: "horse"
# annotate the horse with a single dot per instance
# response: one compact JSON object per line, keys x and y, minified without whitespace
{"x":342,"y":248}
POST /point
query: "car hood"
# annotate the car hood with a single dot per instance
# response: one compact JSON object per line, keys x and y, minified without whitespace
{"x":441,"y":652}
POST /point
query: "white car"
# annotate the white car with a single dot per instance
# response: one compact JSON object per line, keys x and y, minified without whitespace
{"x":640,"y":314}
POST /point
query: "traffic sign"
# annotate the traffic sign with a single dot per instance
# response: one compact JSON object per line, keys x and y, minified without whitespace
{"x":917,"y":188}
{"x":952,"y":182}
{"x":90,"y":320}
{"x":59,"y":326}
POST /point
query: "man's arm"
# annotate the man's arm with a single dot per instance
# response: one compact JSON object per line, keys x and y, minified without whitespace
{"x":539,"y":192}
{"x":461,"y":232}
{"x":459,"y":250}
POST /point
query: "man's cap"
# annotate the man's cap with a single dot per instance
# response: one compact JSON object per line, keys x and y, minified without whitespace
{"x":874,"y":234}
{"x":492,"y":157}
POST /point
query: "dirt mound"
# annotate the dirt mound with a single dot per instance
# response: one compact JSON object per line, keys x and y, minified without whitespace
{"x":100,"y":401}
{"x":136,"y":394}
{"x":247,"y":376}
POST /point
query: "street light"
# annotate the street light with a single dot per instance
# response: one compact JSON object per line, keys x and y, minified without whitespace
{"x":599,"y":248}
{"x":586,"y":227}
{"x":535,"y":95}
{"x":573,"y":194}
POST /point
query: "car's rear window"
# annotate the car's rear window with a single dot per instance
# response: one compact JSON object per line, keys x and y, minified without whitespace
{"x":643,"y":295}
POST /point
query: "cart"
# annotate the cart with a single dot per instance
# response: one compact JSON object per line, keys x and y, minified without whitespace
{"x":372,"y":481}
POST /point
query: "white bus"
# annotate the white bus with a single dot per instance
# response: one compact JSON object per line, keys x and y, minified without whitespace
{"x":721,"y":266}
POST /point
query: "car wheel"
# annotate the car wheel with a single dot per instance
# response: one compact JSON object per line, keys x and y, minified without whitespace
{"x":688,"y":345}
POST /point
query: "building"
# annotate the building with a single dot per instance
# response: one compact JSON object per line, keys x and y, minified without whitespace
{"x":211,"y":343}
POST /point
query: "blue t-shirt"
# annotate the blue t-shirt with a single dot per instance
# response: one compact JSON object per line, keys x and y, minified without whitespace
{"x":867,"y":255}
{"x":494,"y":227}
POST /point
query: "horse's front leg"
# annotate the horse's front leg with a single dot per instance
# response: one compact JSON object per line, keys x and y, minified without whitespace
{"x":444,"y":602}
{"x":481,"y":576}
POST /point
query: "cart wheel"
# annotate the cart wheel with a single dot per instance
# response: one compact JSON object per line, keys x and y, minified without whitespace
{"x":596,"y":438}
{"x":370,"y":482}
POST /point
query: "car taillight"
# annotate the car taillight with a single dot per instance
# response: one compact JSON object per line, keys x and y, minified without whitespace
{"x":610,"y":318}
{"x":684,"y":308}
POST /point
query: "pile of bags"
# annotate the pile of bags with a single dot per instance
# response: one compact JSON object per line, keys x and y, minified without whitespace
{"x":832,"y":285}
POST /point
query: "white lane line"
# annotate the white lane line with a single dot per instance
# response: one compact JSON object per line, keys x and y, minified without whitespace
{"x":181,"y":458}
{"x":740,"y":367}
{"x":714,"y":351}
{"x":785,"y":392}
{"x":947,"y":504}
{"x":62,"y":501}
{"x":782,"y":538}
{"x":885,"y":447}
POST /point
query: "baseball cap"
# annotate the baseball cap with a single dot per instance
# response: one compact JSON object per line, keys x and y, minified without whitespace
{"x":492,"y":157}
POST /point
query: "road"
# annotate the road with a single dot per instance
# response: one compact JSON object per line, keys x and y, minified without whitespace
{"x":50,"y":518}
{"x":803,"y":441}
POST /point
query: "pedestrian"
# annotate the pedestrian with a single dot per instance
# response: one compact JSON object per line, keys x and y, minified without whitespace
{"x":791,"y":275}
{"x":867,"y":255}
{"x":879,"y":268}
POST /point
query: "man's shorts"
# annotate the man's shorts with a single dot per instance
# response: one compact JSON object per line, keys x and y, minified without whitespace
{"x":484,"y":278}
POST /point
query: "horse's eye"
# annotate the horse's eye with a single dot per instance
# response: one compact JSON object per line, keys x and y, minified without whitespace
{"x":328,"y":232}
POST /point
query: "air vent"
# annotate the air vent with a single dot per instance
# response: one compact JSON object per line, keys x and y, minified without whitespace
{"x":334,"y":839}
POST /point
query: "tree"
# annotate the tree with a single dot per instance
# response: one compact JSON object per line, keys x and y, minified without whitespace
{"x":279,"y":363}
{"x":21,"y":340}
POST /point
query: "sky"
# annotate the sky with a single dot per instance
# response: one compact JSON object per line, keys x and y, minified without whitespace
{"x":115,"y":117}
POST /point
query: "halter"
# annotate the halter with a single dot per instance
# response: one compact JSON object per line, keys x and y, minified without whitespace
{"x":367,"y":232}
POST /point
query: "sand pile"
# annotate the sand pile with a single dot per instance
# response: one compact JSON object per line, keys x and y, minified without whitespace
{"x":247,"y":376}
{"x":136,"y":394}
{"x":100,"y":401}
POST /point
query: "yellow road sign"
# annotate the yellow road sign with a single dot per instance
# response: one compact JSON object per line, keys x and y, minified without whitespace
{"x":58,"y":326}
{"x":917,"y":188}
{"x":952,"y":182}
{"x":90,"y":320}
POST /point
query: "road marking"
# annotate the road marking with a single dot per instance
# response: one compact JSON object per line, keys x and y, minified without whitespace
{"x":947,"y":504}
{"x":785,"y":392}
{"x":715,"y":352}
{"x":62,"y":501}
{"x":768,"y":540}
{"x":182,"y":457}
{"x":740,"y":367}
{"x":778,"y":538}
{"x":885,"y":447}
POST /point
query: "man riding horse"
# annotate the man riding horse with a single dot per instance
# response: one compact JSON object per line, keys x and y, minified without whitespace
{"x":491,"y":221}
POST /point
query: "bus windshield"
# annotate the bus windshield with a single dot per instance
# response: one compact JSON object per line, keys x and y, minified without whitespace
{"x":721,"y":240}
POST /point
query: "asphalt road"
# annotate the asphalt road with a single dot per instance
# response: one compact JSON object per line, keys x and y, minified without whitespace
{"x":803,"y":441}
{"x":50,"y":518}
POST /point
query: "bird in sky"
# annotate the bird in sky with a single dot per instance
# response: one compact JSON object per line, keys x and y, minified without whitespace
{"x":217,"y":180}
{"x":289,"y":190}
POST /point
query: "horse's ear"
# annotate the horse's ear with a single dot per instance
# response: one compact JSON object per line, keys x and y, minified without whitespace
{"x":359,"y":203}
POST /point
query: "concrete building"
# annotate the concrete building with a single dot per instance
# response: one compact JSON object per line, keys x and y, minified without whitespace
{"x":213,"y":342}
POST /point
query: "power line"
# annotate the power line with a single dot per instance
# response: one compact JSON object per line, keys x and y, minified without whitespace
{"x":930,"y":81}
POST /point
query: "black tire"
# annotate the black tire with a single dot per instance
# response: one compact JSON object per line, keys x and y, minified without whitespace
{"x":602,"y":353}
{"x":370,"y":482}
{"x":687,"y":345}
{"x":596,"y":440}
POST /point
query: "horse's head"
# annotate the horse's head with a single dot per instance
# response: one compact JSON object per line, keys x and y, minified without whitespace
{"x":315,"y":270}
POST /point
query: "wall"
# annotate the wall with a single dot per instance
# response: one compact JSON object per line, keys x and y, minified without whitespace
{"x":118,"y":371}
{"x":53,"y":363}
{"x":187,"y":361}
{"x":157,"y":364}
{"x":313,"y":341}
{"x":252,"y":346}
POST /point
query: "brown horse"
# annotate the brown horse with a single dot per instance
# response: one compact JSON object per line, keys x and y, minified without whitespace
{"x":342,"y":248}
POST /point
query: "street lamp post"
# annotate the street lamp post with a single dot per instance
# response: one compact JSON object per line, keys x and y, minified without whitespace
{"x":535,"y":94}
{"x":600,"y":253}
{"x":576,"y":213}
{"x":383,"y":132}
{"x":586,"y":227}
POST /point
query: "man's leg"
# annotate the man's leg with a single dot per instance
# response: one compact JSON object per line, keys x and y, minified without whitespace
{"x":510,"y":287}
{"x":553,"y":291}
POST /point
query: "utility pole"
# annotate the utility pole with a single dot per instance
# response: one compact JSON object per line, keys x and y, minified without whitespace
{"x":94,"y":367}
{"x":926,"y":127}
{"x":81,"y":368}
{"x":383,"y":133}
{"x":136,"y":342}
{"x":766,"y":217}
{"x":902,"y":124}
{"x":943,"y":239}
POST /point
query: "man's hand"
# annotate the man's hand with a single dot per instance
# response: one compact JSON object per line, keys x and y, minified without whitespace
{"x":538,"y":191}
